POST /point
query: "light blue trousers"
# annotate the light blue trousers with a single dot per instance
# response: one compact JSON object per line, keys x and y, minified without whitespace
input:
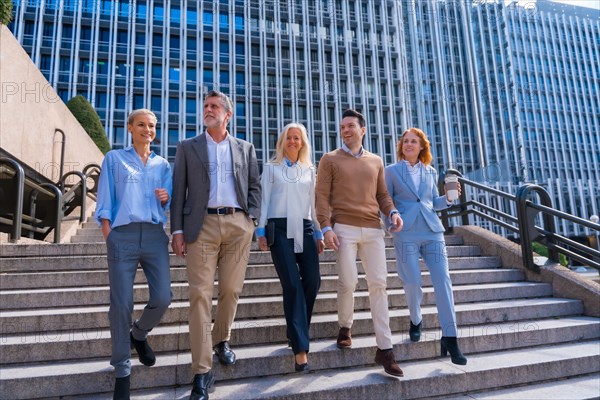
{"x":128,"y":245}
{"x":422,"y":242}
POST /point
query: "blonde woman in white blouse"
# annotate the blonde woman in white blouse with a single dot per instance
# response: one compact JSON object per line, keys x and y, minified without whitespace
{"x":294,"y":235}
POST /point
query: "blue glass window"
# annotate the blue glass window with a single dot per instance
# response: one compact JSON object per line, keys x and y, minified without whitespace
{"x":207,"y":18}
{"x":138,"y":101}
{"x":224,"y":78}
{"x":67,"y":31}
{"x":156,"y":71}
{"x":157,"y":39}
{"x":223,"y":21}
{"x":100,"y":99}
{"x":104,"y":35}
{"x":124,"y":9}
{"x":45,"y":62}
{"x":190,"y":105}
{"x":240,"y":110}
{"x":239,"y":23}
{"x":175,"y":15}
{"x":174,"y":74}
{"x":105,"y":6}
{"x":174,"y":42}
{"x":48,"y":29}
{"x":191,"y":75}
{"x":191,"y":44}
{"x":122,"y":36}
{"x":155,"y":104}
{"x":64,"y":64}
{"x":208,"y":46}
{"x":207,"y":77}
{"x":138,"y":70}
{"x":192,"y":17}
{"x":102,"y":67}
{"x":141,"y":11}
{"x":159,"y":12}
{"x":173,"y":104}
{"x":86,"y":33}
{"x":140,"y":39}
{"x":120,"y":101}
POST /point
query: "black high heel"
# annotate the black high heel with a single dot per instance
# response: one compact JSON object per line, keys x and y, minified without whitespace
{"x":450,"y":344}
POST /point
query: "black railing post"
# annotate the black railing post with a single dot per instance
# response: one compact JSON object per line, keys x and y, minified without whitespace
{"x":62,"y":157}
{"x":19,"y":179}
{"x":58,"y":217}
{"x":527,"y":229}
{"x":83,"y":184}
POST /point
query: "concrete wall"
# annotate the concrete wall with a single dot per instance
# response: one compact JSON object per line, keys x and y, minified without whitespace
{"x":30,"y":111}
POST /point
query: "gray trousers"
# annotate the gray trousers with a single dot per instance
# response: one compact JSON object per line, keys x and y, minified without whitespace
{"x":128,"y":245}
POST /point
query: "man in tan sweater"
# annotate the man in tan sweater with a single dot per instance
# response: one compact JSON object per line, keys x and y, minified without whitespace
{"x":350,"y":193}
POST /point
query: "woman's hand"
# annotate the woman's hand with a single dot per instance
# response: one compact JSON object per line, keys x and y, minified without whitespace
{"x":262,"y":243}
{"x":320,"y":246}
{"x":162,"y":195}
{"x":105,"y":228}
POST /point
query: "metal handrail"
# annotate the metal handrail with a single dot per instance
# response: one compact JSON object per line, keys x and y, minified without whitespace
{"x":82,"y":184}
{"x":62,"y":156}
{"x":524,"y":223}
{"x":19,"y":177}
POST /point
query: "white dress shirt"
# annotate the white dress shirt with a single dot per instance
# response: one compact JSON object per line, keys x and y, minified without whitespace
{"x":289,"y":192}
{"x":222,"y":180}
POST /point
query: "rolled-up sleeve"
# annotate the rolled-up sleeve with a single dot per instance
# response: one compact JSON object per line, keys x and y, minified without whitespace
{"x":106,"y":191}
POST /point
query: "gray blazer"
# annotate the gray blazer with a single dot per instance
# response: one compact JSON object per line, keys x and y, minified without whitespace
{"x":411,"y":201}
{"x":191,"y":183}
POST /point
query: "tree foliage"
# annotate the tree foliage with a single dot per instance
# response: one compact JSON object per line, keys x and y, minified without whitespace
{"x":89,"y":119}
{"x":6,"y":7}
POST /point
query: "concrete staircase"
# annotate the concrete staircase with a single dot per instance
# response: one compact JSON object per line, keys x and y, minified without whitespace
{"x":519,"y":338}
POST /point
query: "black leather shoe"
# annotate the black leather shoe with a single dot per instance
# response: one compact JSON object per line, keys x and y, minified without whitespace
{"x":202,"y":385}
{"x":415,"y":332}
{"x":225,"y":354}
{"x":121,"y":388}
{"x":145,"y":353}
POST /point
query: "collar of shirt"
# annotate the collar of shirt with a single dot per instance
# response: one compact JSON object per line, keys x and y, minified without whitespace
{"x":413,"y":168}
{"x":131,"y":149}
{"x":288,"y":162}
{"x":210,"y":139}
{"x":347,"y":150}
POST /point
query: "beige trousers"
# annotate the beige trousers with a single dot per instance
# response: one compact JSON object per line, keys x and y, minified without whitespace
{"x":370,"y":246}
{"x":224,"y":242}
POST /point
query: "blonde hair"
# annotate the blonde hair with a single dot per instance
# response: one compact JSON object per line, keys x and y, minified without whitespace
{"x":303,"y":154}
{"x":425,"y":155}
{"x":140,"y":111}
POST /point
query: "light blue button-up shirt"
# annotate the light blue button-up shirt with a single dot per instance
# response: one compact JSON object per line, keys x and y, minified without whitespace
{"x":126,"y":188}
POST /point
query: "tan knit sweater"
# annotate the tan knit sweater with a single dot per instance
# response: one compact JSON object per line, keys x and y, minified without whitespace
{"x":351,"y":190}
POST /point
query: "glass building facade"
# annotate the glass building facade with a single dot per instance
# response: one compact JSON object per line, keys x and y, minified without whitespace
{"x":507,"y":93}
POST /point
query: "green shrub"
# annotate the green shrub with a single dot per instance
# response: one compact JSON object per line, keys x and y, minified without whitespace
{"x":89,"y":119}
{"x":543,"y":251}
{"x":6,"y":7}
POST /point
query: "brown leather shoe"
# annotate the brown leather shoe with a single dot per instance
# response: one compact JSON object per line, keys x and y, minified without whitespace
{"x":344,"y":339}
{"x":387,"y":360}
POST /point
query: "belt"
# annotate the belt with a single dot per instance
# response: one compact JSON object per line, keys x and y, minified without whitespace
{"x":223,"y":210}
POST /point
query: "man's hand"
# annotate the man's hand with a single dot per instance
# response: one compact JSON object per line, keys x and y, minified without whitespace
{"x":331,"y":240}
{"x":262,"y":243}
{"x":178,"y":245}
{"x":397,"y":223}
{"x":162,"y":195}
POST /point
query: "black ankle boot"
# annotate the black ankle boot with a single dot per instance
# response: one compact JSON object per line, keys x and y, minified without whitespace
{"x":450,"y":344}
{"x":415,"y":332}
{"x":121,"y":388}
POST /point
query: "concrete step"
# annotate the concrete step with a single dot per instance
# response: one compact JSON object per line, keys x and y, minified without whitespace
{"x":586,"y":387}
{"x":92,"y":270}
{"x":80,"y":262}
{"x":16,"y":347}
{"x":22,"y":299}
{"x":78,"y":249}
{"x":68,"y":318}
{"x":339,"y":374}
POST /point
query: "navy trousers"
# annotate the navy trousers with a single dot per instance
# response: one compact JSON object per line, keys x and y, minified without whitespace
{"x":300,"y":280}
{"x":128,"y":245}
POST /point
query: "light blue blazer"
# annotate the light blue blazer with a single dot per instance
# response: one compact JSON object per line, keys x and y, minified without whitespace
{"x":411,"y":201}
